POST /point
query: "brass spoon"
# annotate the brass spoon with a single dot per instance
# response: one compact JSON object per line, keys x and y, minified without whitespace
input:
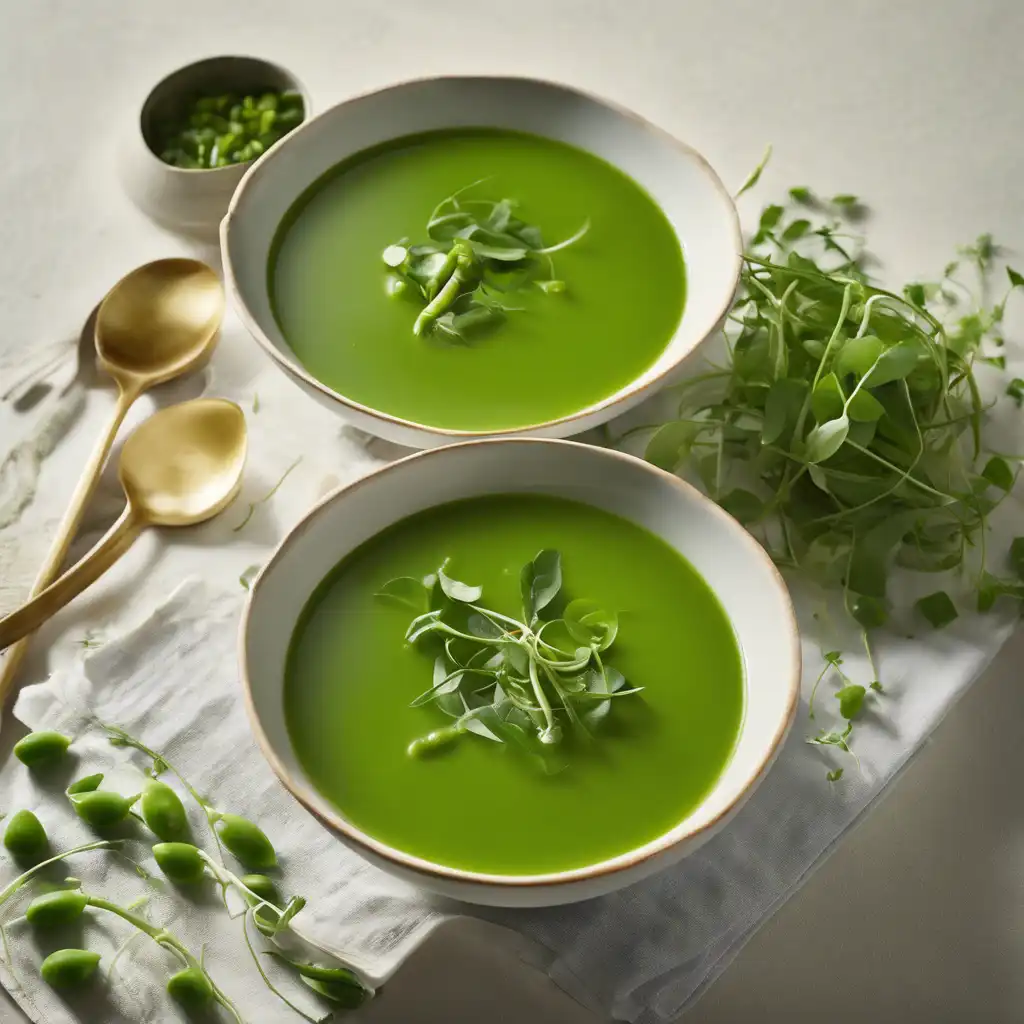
{"x":158,"y":322}
{"x":180,"y":467}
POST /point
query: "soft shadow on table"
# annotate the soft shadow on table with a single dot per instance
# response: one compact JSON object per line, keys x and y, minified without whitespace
{"x":464,"y":976}
{"x":918,"y":909}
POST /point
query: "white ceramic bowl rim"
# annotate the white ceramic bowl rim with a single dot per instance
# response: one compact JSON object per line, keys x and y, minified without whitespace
{"x":675,"y":836}
{"x":641,"y":383}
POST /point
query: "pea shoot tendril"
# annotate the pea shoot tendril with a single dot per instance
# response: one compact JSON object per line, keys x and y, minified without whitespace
{"x":845,"y":427}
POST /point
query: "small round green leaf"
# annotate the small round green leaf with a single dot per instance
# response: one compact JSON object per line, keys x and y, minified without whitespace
{"x":864,"y":407}
{"x":825,"y":440}
{"x":894,"y":364}
{"x":670,"y":445}
{"x":456,"y":590}
{"x":590,"y":624}
{"x":998,"y":473}
{"x":938,"y":609}
{"x":858,"y":355}
{"x":851,"y":700}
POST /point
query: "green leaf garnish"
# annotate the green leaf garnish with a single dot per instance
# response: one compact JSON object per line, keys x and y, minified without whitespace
{"x":998,"y":473}
{"x":457,"y":591}
{"x":478,"y":250}
{"x":540,"y":582}
{"x":755,"y":175}
{"x":851,"y":700}
{"x":509,"y":680}
{"x":846,"y":428}
{"x":938,"y":609}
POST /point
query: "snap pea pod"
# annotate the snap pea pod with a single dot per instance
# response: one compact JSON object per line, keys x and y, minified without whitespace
{"x":69,"y":968}
{"x":56,"y":909}
{"x":180,"y":862}
{"x":101,"y":808}
{"x":25,"y":837}
{"x":191,"y":989}
{"x":41,"y":749}
{"x":246,"y":841}
{"x":163,"y":811}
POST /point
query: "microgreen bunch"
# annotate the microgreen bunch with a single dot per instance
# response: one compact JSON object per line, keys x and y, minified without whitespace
{"x":845,"y":427}
{"x":479,"y":252}
{"x":509,"y":680}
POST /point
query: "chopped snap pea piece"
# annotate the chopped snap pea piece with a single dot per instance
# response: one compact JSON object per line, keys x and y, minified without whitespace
{"x":214,"y":131}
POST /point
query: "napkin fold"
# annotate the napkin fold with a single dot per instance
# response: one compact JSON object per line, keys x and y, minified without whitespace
{"x":642,"y":954}
{"x":171,"y":682}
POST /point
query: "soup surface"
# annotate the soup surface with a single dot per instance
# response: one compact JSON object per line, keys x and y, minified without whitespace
{"x":479,"y":805}
{"x":553,"y":356}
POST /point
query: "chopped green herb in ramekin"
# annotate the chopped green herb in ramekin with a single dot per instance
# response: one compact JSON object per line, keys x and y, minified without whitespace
{"x":215,"y":131}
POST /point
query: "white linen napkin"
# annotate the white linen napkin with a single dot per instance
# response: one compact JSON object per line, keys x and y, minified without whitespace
{"x":638,"y":955}
{"x":171,"y":682}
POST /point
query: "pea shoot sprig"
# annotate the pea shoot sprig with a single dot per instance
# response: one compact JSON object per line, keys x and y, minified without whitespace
{"x":509,"y":680}
{"x":182,"y":863}
{"x":479,"y":253}
{"x":846,"y":427}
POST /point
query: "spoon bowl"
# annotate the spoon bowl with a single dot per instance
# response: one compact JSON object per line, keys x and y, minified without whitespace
{"x":184,"y":465}
{"x":180,"y":468}
{"x":156,"y":323}
{"x":159,"y":321}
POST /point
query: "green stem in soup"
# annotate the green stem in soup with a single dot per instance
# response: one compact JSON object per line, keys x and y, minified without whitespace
{"x":490,"y":253}
{"x":501,"y":677}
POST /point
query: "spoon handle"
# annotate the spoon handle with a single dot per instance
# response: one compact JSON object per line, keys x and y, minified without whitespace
{"x":68,"y":528}
{"x":114,"y":543}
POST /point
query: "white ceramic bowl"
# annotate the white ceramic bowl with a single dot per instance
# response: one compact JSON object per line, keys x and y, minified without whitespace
{"x":741,"y":574}
{"x":192,"y":202}
{"x":677,"y":177}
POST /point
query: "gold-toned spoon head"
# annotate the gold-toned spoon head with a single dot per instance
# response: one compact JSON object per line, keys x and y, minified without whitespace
{"x":184,"y":464}
{"x":180,"y":467}
{"x":159,"y":321}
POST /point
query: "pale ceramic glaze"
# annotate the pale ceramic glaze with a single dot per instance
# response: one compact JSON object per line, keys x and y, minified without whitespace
{"x":741,"y":574}
{"x":192,"y":202}
{"x":693,"y":198}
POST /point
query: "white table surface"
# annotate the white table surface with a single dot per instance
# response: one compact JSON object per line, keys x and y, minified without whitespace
{"x":915,"y":105}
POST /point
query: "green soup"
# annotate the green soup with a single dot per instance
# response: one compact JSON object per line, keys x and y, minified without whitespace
{"x":554,"y":356}
{"x":480,"y":805}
